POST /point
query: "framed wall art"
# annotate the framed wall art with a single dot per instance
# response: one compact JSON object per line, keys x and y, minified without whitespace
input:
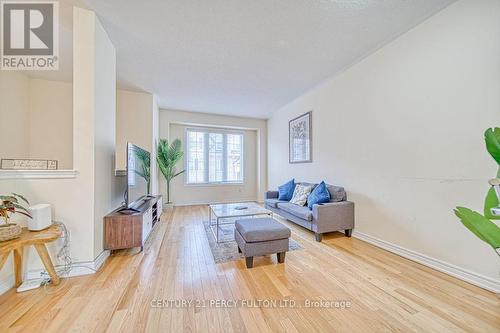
{"x":27,"y":164}
{"x":300,"y":139}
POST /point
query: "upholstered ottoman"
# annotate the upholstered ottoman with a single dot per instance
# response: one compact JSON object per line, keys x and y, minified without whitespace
{"x":261,"y":236}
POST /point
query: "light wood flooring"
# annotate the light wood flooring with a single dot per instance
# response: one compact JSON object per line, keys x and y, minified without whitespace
{"x":386,"y":292}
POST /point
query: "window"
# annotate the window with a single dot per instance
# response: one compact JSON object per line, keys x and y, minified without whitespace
{"x":213,"y":156}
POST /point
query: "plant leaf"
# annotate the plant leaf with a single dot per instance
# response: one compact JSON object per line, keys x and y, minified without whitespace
{"x":21,"y":197}
{"x":4,"y":213}
{"x":23,"y":213}
{"x":20,"y":208}
{"x":490,"y":202}
{"x":178,"y":173}
{"x":492,"y":139}
{"x":168,"y":155}
{"x":8,"y":198}
{"x":483,"y":228}
{"x":10,"y":204}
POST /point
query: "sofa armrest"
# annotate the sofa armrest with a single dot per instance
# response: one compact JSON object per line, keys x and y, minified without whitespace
{"x":333,"y":216}
{"x":271,"y":195}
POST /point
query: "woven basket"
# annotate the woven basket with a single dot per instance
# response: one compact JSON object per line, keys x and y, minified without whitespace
{"x":9,"y":231}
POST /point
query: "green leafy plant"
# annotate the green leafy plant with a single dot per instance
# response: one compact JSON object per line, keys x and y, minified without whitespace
{"x":145,"y":170}
{"x":492,"y":139}
{"x":11,"y":204}
{"x":483,"y":228}
{"x":480,"y":225}
{"x":168,"y":156}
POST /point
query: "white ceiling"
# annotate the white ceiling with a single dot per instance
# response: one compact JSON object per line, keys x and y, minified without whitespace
{"x":245,"y":57}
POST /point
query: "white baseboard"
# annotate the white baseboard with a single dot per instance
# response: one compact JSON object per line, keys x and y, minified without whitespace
{"x":77,"y":269}
{"x":477,"y":279}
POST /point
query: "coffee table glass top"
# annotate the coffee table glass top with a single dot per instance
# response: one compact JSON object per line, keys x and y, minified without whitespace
{"x":238,"y":209}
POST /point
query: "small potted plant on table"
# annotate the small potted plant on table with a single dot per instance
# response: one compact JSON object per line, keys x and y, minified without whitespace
{"x":11,"y":204}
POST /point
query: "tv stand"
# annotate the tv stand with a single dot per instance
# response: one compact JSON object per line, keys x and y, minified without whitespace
{"x":126,"y":228}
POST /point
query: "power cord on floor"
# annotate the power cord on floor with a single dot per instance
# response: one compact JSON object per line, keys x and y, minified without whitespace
{"x":63,"y":255}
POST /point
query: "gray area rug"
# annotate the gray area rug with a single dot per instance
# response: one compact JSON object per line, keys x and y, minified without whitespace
{"x":228,"y":251}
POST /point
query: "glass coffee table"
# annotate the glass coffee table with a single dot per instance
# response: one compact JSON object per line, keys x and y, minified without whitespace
{"x":218,"y":212}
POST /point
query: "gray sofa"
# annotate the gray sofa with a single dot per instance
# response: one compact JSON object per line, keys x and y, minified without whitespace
{"x":336,"y":215}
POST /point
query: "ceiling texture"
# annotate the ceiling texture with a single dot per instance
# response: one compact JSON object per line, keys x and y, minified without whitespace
{"x":245,"y":57}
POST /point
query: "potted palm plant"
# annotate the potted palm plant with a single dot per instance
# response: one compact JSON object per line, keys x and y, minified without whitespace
{"x":168,"y":155}
{"x":11,"y":204}
{"x":482,"y":225}
{"x":145,"y":170}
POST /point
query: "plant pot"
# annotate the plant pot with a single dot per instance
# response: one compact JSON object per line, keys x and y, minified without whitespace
{"x":9,"y":231}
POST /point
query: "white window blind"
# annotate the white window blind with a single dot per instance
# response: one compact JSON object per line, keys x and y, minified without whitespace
{"x":213,"y":156}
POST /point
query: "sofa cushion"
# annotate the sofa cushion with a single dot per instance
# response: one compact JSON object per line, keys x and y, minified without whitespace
{"x":273,"y":202}
{"x":300,"y":194}
{"x":319,"y":195}
{"x":261,"y":229}
{"x":337,"y":193}
{"x":313,"y":185}
{"x":300,"y":211}
{"x":285,"y":191}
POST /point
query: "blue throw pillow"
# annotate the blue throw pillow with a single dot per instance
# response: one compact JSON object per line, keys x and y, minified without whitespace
{"x":285,"y":191}
{"x":319,"y":195}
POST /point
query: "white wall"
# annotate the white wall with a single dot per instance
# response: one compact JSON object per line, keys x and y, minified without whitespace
{"x":27,"y":134}
{"x":154,"y":144}
{"x":81,"y":202}
{"x":402,"y":130}
{"x":137,"y":116}
{"x":134,"y":118}
{"x":50,"y":125}
{"x":39,"y":114}
{"x":14,"y":111}
{"x":108,"y":189}
{"x":172,"y":125}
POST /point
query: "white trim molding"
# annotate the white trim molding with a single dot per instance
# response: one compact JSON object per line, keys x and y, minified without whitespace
{"x":37,"y":174}
{"x":78,"y":268}
{"x":477,"y":279}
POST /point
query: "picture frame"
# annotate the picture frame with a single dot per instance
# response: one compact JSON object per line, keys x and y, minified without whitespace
{"x":27,"y":164}
{"x":300,"y":139}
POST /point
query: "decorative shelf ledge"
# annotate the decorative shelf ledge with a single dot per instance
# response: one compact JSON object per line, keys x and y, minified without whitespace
{"x":37,"y":174}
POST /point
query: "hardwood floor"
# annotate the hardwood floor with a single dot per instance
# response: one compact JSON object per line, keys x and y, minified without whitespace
{"x":386,"y":292}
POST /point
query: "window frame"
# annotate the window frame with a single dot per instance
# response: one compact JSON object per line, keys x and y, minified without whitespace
{"x":224,"y":132}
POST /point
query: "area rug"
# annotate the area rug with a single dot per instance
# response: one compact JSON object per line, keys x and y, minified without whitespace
{"x":228,"y":250}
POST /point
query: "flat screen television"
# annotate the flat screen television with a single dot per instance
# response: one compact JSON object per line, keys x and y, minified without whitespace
{"x":138,"y":175}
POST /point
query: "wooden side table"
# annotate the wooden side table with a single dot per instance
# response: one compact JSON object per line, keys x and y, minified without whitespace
{"x":38,"y":240}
